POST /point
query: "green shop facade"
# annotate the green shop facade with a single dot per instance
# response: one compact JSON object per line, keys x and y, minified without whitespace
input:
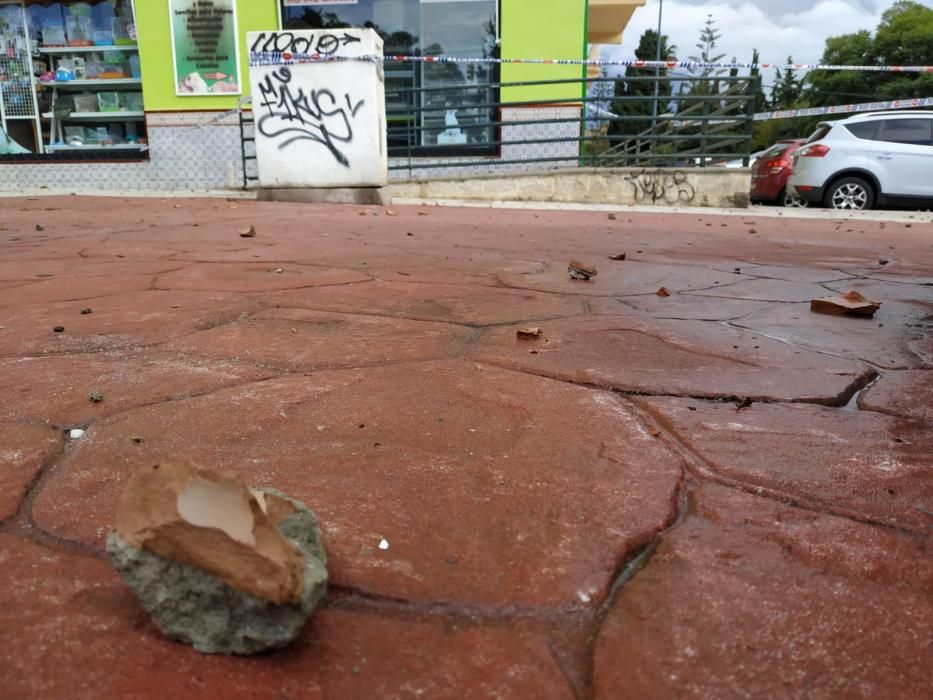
{"x":143,"y":94}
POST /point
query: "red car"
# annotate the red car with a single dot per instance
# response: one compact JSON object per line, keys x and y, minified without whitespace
{"x":771,"y":173}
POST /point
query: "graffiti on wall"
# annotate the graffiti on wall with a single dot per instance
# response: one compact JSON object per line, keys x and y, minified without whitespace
{"x":661,"y":186}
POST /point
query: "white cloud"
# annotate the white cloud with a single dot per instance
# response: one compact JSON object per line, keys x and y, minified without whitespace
{"x":797,"y":28}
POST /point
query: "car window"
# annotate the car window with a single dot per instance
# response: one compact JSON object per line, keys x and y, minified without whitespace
{"x":863,"y":130}
{"x":775,"y":150}
{"x":913,"y":132}
{"x":820,"y":132}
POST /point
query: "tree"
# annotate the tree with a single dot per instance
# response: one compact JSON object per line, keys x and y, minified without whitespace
{"x":788,"y":87}
{"x":904,"y":37}
{"x":640,"y":87}
{"x":709,"y":36}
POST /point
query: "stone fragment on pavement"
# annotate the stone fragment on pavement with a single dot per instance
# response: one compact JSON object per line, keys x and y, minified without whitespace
{"x":849,"y":304}
{"x":581,"y":271}
{"x":528,"y":333}
{"x":248,"y":232}
{"x":663,"y":292}
{"x":218,"y":565}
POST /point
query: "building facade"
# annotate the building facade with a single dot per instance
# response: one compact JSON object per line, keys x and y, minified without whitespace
{"x":122,"y":95}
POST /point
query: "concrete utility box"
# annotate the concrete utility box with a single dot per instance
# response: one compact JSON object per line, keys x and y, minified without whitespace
{"x":318,"y":123}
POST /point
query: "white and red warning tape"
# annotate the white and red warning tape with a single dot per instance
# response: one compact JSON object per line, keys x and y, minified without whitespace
{"x":267,"y":58}
{"x":915,"y":103}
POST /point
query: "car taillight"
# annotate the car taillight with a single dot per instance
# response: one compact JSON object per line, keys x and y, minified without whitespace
{"x":817,"y":150}
{"x":777,"y":165}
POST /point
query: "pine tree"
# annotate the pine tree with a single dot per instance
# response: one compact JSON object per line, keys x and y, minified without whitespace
{"x":646,"y":51}
{"x":787,"y":87}
{"x":709,"y":36}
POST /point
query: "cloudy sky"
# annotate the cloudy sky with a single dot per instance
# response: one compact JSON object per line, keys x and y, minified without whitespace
{"x":777,"y":28}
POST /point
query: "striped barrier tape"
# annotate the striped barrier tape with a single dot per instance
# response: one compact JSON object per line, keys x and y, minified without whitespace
{"x":915,"y":103}
{"x":272,"y":58}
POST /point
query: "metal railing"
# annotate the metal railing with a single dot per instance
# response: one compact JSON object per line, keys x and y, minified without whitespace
{"x":464,"y":128}
{"x":467,"y":128}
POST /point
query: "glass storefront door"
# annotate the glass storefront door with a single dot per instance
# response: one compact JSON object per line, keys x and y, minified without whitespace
{"x":430,"y":106}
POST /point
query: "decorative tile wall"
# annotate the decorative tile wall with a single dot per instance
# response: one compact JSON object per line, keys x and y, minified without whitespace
{"x":187,"y":151}
{"x":201,"y":151}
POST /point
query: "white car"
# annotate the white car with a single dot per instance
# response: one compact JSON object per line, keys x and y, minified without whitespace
{"x":867,"y":160}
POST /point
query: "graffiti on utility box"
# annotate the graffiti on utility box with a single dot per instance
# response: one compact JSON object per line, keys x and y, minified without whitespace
{"x":287,"y":114}
{"x":319,"y":123}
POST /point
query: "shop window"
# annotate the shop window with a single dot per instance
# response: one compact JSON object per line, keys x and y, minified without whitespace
{"x":71,"y":81}
{"x":431,"y":108}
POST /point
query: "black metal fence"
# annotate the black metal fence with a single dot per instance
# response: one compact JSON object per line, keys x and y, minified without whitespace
{"x":465,"y":128}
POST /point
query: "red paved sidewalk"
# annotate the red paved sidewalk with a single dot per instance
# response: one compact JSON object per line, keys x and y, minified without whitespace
{"x":590,"y":514}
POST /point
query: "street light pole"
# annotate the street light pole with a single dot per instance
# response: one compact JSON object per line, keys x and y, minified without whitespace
{"x":657,"y":80}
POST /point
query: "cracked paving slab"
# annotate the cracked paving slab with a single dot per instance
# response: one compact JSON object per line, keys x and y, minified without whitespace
{"x":55,"y":388}
{"x":749,"y":598}
{"x":898,"y":337}
{"x":866,"y":465}
{"x":493,"y":488}
{"x":687,"y":358}
{"x":74,"y":630}
{"x":476,"y":306}
{"x":254,"y":277}
{"x":908,"y":394}
{"x":24,"y":450}
{"x":119,"y":321}
{"x":303,"y":340}
{"x":620,"y":278}
{"x":681,"y":306}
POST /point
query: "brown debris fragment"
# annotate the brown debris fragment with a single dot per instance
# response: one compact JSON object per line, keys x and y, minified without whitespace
{"x":249,"y":232}
{"x":620,"y":256}
{"x":849,"y":304}
{"x":581,"y":271}
{"x":213,"y":521}
{"x":611,"y":217}
{"x":663,"y":292}
{"x":528,"y":333}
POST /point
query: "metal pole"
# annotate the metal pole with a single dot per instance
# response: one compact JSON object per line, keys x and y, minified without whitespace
{"x":657,"y":79}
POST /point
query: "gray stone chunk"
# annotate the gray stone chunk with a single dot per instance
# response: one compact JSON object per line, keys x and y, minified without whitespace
{"x":192,"y":606}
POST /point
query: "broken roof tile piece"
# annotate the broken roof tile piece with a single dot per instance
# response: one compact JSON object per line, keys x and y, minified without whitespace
{"x":850,"y":304}
{"x":581,"y":271}
{"x":213,"y":521}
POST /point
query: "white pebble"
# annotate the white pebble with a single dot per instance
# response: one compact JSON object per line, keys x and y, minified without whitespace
{"x":76,"y":433}
{"x":384,"y":545}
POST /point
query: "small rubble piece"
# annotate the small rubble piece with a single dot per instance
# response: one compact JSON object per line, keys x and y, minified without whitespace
{"x":279,"y":270}
{"x":223,"y":567}
{"x":528,"y":333}
{"x":384,"y":545}
{"x":850,"y":304}
{"x":581,"y":271}
{"x":95,"y":397}
{"x":87,"y":310}
{"x":40,"y":227}
{"x":612,"y":217}
{"x":663,"y":292}
{"x":619,"y":257}
{"x":75,"y":434}
{"x":59,"y":329}
{"x":249,"y":232}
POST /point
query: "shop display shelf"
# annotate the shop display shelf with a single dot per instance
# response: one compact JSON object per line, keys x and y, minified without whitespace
{"x":97,"y":147}
{"x":87,"y":49}
{"x":100,"y":116}
{"x":90,"y":84}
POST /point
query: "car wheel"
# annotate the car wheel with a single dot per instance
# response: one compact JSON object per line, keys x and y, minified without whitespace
{"x":792,"y":200}
{"x":850,"y":193}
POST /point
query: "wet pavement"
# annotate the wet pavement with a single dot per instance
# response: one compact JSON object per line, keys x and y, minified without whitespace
{"x":711,"y":494}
